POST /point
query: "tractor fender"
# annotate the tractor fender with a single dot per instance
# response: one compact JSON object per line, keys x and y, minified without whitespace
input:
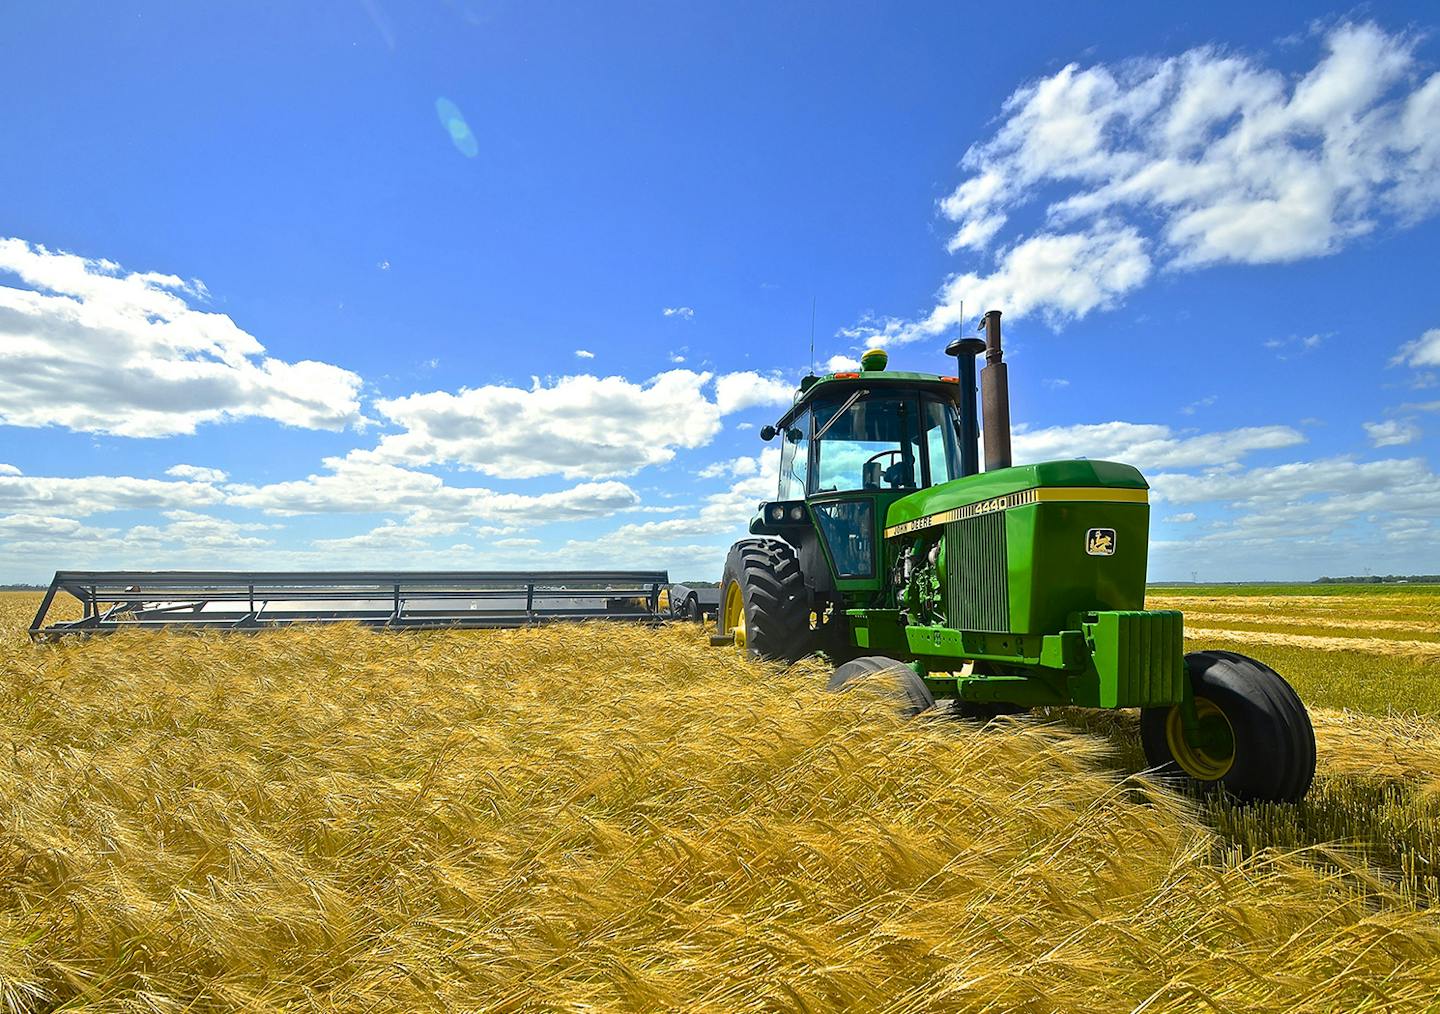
{"x":813,"y":562}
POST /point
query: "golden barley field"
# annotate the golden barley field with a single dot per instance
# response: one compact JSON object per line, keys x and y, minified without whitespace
{"x":599,"y":819}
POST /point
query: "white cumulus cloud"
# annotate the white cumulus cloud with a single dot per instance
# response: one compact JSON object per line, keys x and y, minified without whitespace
{"x":700,"y":536}
{"x":355,"y":486}
{"x":1203,"y":158}
{"x":579,"y":426}
{"x":184,"y":539}
{"x":740,"y":467}
{"x":1392,"y":432}
{"x":88,"y":346}
{"x":735,"y":392}
{"x":1351,"y":488}
{"x":1423,"y":351}
{"x":1304,"y":518}
{"x":197,"y":472}
{"x":80,"y":496}
{"x":1149,"y":445}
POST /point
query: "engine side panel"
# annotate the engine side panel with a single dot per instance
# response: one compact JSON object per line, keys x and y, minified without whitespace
{"x":1025,"y":550}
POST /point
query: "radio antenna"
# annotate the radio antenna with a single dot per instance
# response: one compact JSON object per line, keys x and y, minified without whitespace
{"x":812,"y":335}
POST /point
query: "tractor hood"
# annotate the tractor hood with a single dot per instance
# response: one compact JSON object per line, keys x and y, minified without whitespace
{"x":1078,"y":480}
{"x":1027,"y":549}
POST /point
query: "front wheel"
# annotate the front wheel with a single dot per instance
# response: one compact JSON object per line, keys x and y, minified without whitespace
{"x":764,"y":604}
{"x":1253,"y":735}
{"x":899,"y":681}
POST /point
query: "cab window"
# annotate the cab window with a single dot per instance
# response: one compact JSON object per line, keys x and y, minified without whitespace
{"x":868,"y":441}
{"x":942,"y":439}
{"x":795,"y":457}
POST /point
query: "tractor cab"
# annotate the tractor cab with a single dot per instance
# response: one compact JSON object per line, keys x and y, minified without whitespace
{"x":870,"y":437}
{"x":851,"y":445}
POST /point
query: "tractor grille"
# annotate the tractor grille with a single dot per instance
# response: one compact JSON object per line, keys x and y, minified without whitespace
{"x":978,"y":584}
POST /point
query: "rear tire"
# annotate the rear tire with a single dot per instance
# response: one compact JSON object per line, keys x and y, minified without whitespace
{"x":1272,"y":755}
{"x":909,"y":690}
{"x":764,"y":601}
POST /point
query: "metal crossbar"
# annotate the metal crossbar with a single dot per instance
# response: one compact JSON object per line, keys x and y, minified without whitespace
{"x":113,"y":600}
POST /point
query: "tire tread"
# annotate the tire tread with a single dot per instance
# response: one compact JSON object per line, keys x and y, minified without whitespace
{"x":774,"y":597}
{"x":911,"y":687}
{"x":1271,"y":709}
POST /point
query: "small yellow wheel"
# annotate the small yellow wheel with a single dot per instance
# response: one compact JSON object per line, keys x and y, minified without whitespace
{"x":732,"y":617}
{"x":1211,"y":757}
{"x":1251,"y":736}
{"x":764,"y":604}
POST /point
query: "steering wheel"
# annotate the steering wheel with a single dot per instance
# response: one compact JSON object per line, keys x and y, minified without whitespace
{"x":894,"y":452}
{"x":891,"y":474}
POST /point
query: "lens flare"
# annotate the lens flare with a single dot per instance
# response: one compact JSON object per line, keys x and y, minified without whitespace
{"x":454,"y":123}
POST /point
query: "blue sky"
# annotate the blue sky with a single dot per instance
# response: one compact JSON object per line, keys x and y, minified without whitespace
{"x":462,"y":284}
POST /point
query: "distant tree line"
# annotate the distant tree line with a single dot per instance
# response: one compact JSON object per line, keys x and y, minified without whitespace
{"x":1383,"y":579}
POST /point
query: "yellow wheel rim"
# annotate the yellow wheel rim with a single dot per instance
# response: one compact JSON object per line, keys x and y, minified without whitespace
{"x":734,"y":619}
{"x":1211,"y":759}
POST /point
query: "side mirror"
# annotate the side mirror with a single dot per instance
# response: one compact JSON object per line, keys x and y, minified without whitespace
{"x":767,"y":432}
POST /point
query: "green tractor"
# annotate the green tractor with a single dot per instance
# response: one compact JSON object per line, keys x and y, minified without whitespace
{"x":888,"y":549}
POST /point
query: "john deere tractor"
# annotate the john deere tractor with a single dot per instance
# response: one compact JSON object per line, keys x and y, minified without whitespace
{"x":888,"y":549}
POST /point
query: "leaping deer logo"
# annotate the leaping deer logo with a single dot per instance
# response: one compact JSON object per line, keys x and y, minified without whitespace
{"x":1100,"y":542}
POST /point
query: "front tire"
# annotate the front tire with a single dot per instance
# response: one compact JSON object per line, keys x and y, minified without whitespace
{"x":1256,"y":739}
{"x":908,"y":689}
{"x":764,"y":602}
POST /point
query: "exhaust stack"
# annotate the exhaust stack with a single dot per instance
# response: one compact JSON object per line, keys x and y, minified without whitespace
{"x":965,"y":350}
{"x":995,"y":385}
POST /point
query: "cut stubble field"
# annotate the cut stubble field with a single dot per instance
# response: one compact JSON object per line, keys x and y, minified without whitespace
{"x":582,"y":818}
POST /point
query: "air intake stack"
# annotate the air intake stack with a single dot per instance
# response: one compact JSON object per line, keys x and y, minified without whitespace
{"x":995,"y":385}
{"x":965,"y":350}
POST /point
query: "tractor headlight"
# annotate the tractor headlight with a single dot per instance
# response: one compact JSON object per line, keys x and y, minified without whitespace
{"x":789,"y":512}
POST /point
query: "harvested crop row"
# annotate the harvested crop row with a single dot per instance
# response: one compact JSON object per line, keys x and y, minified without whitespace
{"x":1346,"y":678}
{"x":1423,"y":650}
{"x":1359,"y":607}
{"x":601,"y":819}
{"x":1209,"y":618}
{"x":1397,"y":747}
